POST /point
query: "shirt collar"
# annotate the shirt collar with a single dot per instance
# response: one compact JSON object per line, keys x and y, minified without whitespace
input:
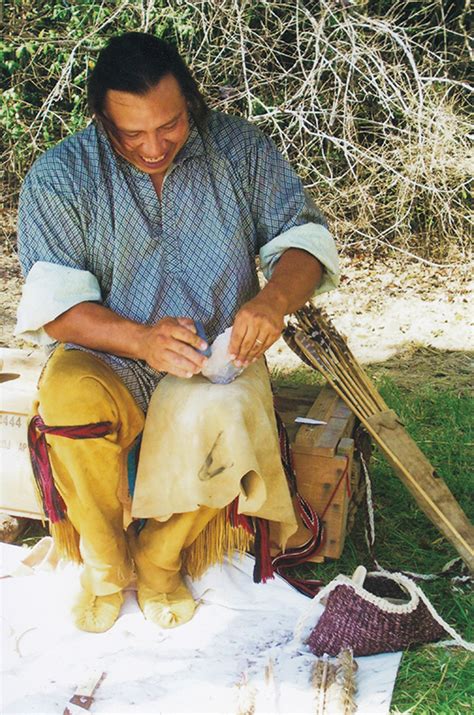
{"x":194,"y":145}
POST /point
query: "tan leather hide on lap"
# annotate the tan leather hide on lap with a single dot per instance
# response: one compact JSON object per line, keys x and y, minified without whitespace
{"x":205,"y":444}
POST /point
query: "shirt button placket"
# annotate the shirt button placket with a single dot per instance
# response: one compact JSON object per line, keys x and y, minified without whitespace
{"x":169,"y":228}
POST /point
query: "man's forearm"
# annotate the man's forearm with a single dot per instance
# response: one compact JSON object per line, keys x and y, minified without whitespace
{"x":171,"y":345}
{"x":294,"y":280}
{"x":94,"y":326}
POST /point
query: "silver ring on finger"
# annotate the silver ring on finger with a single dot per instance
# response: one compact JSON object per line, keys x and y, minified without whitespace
{"x":258,"y":342}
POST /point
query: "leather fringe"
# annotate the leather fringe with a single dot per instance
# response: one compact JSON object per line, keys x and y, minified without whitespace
{"x":217,"y":540}
{"x":66,"y":540}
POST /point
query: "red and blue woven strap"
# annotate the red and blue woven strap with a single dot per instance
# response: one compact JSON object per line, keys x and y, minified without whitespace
{"x":53,"y":504}
{"x":297,"y":555}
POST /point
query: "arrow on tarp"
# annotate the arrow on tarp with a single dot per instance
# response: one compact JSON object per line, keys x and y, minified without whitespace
{"x":83,"y":695}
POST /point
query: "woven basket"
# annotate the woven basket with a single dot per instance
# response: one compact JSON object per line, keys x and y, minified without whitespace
{"x":355,"y":617}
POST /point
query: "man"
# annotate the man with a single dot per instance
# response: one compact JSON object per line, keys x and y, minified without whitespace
{"x":129,"y":231}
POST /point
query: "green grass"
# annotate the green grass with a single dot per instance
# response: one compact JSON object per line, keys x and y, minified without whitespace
{"x":431,"y":680}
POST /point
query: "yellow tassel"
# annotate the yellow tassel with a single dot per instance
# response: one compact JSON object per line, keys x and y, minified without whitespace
{"x":217,"y":540}
{"x":66,"y":540}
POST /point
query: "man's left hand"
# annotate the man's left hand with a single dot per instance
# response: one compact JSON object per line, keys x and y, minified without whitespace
{"x":259,"y":322}
{"x":257,"y":325}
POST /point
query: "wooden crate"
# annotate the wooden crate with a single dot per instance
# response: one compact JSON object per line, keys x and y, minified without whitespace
{"x":19,"y":373}
{"x":322,"y":454}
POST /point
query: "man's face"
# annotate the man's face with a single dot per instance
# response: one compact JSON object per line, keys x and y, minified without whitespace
{"x":148,"y":130}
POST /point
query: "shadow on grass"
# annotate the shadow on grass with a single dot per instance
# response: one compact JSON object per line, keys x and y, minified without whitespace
{"x":451,"y":370}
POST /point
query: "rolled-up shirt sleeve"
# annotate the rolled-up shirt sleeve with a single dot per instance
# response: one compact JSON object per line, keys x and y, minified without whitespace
{"x":52,"y":223}
{"x":286,"y":216}
{"x":312,"y":238}
{"x":50,"y":290}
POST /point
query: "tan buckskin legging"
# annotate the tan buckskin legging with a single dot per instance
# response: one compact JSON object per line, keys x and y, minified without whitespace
{"x":78,"y":388}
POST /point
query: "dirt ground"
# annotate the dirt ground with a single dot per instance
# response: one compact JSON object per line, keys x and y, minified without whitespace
{"x":409,"y":319}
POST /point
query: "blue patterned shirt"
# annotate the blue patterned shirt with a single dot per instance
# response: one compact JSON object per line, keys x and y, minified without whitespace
{"x":191,"y":253}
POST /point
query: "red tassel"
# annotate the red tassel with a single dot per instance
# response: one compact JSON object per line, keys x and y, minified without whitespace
{"x":263,"y":561}
{"x":239,"y":520}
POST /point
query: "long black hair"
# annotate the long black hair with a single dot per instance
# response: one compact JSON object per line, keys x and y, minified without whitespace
{"x":135,"y":62}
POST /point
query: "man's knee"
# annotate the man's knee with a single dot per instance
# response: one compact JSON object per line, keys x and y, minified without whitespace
{"x":75,"y":391}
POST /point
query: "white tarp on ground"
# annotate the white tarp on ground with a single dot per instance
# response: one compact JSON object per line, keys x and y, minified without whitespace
{"x":238,"y":630}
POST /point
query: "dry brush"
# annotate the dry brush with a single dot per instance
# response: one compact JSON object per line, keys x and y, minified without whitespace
{"x":365,"y":105}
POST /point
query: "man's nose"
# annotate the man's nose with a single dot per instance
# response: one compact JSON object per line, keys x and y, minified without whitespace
{"x":154,"y":146}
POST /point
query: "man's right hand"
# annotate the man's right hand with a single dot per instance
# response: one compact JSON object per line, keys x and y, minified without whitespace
{"x":171,"y":346}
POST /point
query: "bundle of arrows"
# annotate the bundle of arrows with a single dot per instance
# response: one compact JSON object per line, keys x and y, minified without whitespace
{"x":314,"y":338}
